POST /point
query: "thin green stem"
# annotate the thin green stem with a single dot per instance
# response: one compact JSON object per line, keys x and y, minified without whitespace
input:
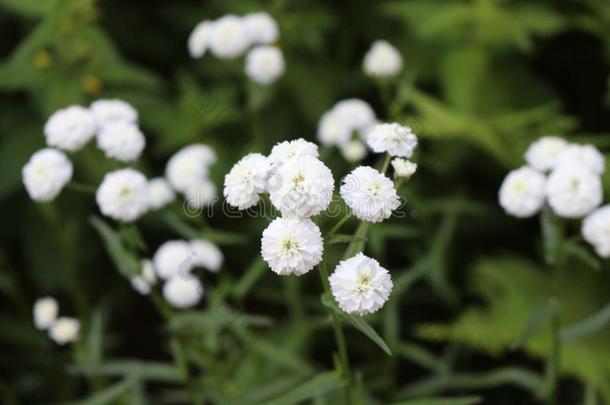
{"x":338,"y":226}
{"x":386,"y":163}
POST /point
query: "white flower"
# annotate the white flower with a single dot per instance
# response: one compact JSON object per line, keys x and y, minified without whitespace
{"x":199,"y":40}
{"x":45,"y":312}
{"x":189,"y":166}
{"x":382,"y":60}
{"x":201,"y":194}
{"x":403,"y":168}
{"x":206,"y":255}
{"x":159,"y":193}
{"x":183,"y":291}
{"x":65,"y":330}
{"x":573,"y":191}
{"x":246,"y":180}
{"x":353,"y":151}
{"x":123,"y":195}
{"x":292,"y":246}
{"x":70,"y":128}
{"x":46,"y":174}
{"x":596,"y":230}
{"x":542,"y":154}
{"x":586,"y":156}
{"x":284,"y":151}
{"x":113,"y":111}
{"x":360,"y":285}
{"x":122,"y":141}
{"x":356,"y":114}
{"x":370,"y":195}
{"x":332,"y":130}
{"x":302,"y":187}
{"x":228,"y":38}
{"x":394,"y":139}
{"x":174,"y":258}
{"x":261,"y":28}
{"x":264,"y":64}
{"x":522,"y":192}
{"x":146,"y":279}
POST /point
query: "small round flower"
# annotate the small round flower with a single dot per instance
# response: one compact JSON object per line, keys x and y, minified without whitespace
{"x":355,"y":113}
{"x":382,"y":60}
{"x":189,"y":166}
{"x":108,"y":112}
{"x":261,"y":28}
{"x":522,"y":192}
{"x":65,"y":330}
{"x":542,"y":154}
{"x":206,"y":255}
{"x":353,"y":151}
{"x":199,"y":40}
{"x":174,"y":258}
{"x":228,"y":38}
{"x":70,"y":128}
{"x":146,"y":279}
{"x":596,"y":230}
{"x":264,"y":64}
{"x":587,"y":156}
{"x":200,"y":195}
{"x":122,"y":141}
{"x":395,"y":139}
{"x":123,"y":195}
{"x":292,"y":246}
{"x":332,"y":130}
{"x":284,"y":151}
{"x":183,"y":291}
{"x":160,"y":193}
{"x":360,"y":285}
{"x":303,"y":187}
{"x":403,"y":168}
{"x":45,"y":312}
{"x":370,"y":195}
{"x":46,"y":174}
{"x":246,"y":180}
{"x":573,"y":191}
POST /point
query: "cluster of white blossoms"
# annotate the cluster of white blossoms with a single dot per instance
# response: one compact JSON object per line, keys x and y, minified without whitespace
{"x":382,"y":60}
{"x":566,"y":176}
{"x":173,"y":263}
{"x":300,"y":186}
{"x":61,"y":329}
{"x":230,"y":36}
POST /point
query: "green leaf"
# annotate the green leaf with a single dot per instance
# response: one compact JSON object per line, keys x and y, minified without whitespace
{"x":539,"y":316}
{"x":141,"y":370}
{"x":442,"y":401}
{"x":358,"y":323}
{"x":126,"y":263}
{"x":110,"y":395}
{"x":341,"y":238}
{"x":593,"y":324}
{"x":319,"y":385}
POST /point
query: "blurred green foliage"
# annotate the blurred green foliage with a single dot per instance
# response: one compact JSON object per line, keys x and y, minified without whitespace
{"x":468,"y":320}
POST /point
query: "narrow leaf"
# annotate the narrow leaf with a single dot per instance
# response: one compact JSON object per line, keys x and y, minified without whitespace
{"x":319,"y":385}
{"x":442,"y":401}
{"x":593,"y":324}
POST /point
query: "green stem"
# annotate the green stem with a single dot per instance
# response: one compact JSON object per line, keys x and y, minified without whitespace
{"x":386,"y":163}
{"x":358,"y":245}
{"x":338,"y":226}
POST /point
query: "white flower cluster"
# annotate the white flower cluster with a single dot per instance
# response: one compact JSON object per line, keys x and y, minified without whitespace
{"x":382,"y":60}
{"x":61,"y":329}
{"x":566,"y":176}
{"x":173,"y":262}
{"x":230,"y":36}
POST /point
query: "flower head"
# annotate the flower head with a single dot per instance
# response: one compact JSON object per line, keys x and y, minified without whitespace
{"x":206,"y":255}
{"x":246,"y":180}
{"x":146,"y":279}
{"x":542,"y":154}
{"x":522,"y":192}
{"x":46,"y":174}
{"x":395,"y":139}
{"x":353,"y":151}
{"x":356,"y":114}
{"x":382,"y":60}
{"x":64,"y":330}
{"x":70,"y":128}
{"x":303,"y":187}
{"x":284,"y":151}
{"x":108,"y":112}
{"x":122,"y":141}
{"x":45,"y":312}
{"x":123,"y":195}
{"x":332,"y":130}
{"x":573,"y":191}
{"x":403,"y":168}
{"x":261,"y":28}
{"x":189,"y":166}
{"x":370,"y":195}
{"x":360,"y":285}
{"x":183,"y":291}
{"x":201,"y":194}
{"x":292,"y":246}
{"x":199,"y":40}
{"x":264,"y":64}
{"x":596,"y":230}
{"x":159,"y":193}
{"x":173,"y":258}
{"x":586,"y":156}
{"x":228,"y":37}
